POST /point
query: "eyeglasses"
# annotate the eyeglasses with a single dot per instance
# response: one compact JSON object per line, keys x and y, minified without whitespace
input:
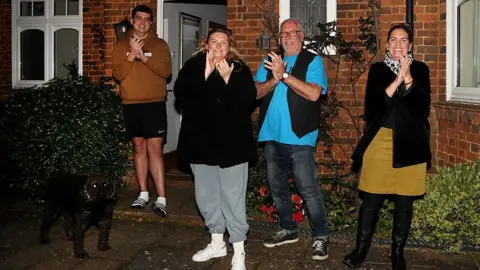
{"x":291,"y":33}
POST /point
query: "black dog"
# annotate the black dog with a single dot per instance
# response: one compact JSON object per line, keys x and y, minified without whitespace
{"x":82,"y":201}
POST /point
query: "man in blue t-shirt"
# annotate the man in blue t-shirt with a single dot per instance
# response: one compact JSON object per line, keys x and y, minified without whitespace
{"x":288,"y":154}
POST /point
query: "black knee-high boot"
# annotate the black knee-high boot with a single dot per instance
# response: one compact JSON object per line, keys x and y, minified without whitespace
{"x":402,"y":220}
{"x":367,"y":222}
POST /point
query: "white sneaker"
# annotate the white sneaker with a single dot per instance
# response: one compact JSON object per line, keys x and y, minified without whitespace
{"x":209,"y":252}
{"x":238,"y":261}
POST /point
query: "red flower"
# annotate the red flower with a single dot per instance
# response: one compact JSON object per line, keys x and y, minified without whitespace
{"x":263,"y":190}
{"x":264,"y":208}
{"x":270,"y":219}
{"x":296,"y":199}
{"x":271,"y":209}
{"x":298,"y":216}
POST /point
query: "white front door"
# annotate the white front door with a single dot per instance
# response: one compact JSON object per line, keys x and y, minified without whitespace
{"x":173,"y":116}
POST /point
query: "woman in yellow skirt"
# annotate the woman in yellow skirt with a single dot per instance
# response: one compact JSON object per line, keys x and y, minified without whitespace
{"x":394,"y":154}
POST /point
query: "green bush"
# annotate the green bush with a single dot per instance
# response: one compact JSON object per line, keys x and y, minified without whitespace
{"x":449,"y":216}
{"x":67,"y":125}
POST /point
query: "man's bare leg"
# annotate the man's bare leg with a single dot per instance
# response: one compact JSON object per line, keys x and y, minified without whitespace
{"x":157,"y":169}
{"x":141,"y":167}
{"x":156,"y":165}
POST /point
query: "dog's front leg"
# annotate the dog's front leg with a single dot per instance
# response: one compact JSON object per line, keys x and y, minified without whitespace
{"x":68,"y":225}
{"x":104,"y":225}
{"x":48,"y":217}
{"x":80,"y":227}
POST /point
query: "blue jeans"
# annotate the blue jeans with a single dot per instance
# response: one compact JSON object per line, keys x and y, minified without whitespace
{"x":283,"y":161}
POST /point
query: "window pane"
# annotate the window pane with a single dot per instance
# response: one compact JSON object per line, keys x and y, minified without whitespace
{"x":73,"y":7}
{"x":66,"y":51}
{"x":309,"y":13}
{"x":38,"y":8}
{"x":32,"y":8}
{"x":468,"y":44}
{"x":60,"y":7}
{"x":66,"y":7}
{"x":26,"y":9}
{"x":32,"y":60}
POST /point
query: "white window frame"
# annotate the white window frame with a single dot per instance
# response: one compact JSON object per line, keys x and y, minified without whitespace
{"x":453,"y":92}
{"x":284,"y":13}
{"x":49,"y":24}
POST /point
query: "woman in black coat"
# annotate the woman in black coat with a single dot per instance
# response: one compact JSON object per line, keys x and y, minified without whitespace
{"x":394,"y":153}
{"x":216,"y":93}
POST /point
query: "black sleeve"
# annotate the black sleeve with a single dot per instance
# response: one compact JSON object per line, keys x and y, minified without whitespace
{"x":190,"y":82}
{"x":387,"y":98}
{"x":375,"y":101}
{"x":241,"y":90}
{"x":418,"y":96}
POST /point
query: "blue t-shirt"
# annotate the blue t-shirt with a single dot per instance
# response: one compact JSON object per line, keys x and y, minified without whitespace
{"x":277,"y":125}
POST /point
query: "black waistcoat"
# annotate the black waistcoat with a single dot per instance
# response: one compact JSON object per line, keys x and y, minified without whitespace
{"x":304,"y":114}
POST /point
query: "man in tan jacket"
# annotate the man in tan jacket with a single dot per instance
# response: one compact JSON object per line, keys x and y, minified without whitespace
{"x":142,"y":64}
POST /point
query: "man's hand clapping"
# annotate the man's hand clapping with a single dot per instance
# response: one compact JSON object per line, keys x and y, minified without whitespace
{"x":136,"y":46}
{"x":276,"y":65}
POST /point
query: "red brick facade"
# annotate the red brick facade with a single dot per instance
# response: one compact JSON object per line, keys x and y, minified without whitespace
{"x":455,"y":127}
{"x":5,"y":45}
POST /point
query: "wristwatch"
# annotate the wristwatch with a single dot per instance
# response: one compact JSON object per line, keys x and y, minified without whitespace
{"x":284,"y":76}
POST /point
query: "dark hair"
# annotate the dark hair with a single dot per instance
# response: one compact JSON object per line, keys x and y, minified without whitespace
{"x":144,"y":9}
{"x":405,"y":27}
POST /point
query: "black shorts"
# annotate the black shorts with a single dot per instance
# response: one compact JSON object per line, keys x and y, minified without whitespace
{"x":147,"y":120}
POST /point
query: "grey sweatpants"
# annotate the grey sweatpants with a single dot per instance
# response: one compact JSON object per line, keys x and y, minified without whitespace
{"x":220,"y":195}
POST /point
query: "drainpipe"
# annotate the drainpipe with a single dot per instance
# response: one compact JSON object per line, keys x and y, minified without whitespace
{"x":409,"y":18}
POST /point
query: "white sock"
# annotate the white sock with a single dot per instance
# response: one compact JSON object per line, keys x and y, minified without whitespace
{"x":217,"y":239}
{"x":144,"y":195}
{"x":162,"y":200}
{"x":238,"y":248}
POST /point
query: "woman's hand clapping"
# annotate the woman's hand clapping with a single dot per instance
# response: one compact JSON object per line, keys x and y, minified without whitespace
{"x":225,"y":70}
{"x":209,"y":65}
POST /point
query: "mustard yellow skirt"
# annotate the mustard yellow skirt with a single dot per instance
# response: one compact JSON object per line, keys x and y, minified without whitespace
{"x":378,"y":175}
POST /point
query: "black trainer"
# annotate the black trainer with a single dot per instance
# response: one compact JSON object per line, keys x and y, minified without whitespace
{"x":280,"y":238}
{"x":320,"y":249}
{"x":159,"y":209}
{"x":140,"y":203}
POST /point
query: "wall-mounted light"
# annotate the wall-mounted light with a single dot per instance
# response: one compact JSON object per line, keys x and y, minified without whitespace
{"x":263,"y":41}
{"x":121,"y":29}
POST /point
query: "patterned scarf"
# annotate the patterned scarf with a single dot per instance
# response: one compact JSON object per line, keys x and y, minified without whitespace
{"x":395,"y":65}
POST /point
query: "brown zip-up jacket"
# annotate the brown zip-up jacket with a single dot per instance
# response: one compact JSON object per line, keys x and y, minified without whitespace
{"x":142,"y":82}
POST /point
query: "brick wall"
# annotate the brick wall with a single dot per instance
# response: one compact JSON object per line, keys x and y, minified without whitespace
{"x":246,"y":25}
{"x":458,"y":138}
{"x":5,"y":45}
{"x":455,"y":127}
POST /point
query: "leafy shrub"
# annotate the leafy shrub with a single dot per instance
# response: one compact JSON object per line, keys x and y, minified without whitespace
{"x":449,"y":216}
{"x":67,"y":125}
{"x":340,"y":198}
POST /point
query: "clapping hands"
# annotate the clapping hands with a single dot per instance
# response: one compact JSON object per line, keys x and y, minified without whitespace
{"x":209,"y":65}
{"x":276,"y":65}
{"x":223,"y":68}
{"x":404,"y":75}
{"x":136,"y":48}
